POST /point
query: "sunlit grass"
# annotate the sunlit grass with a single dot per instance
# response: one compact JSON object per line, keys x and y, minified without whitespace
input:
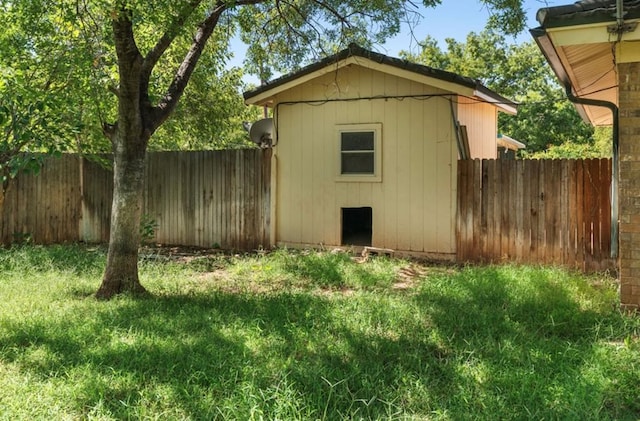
{"x":308,"y":335}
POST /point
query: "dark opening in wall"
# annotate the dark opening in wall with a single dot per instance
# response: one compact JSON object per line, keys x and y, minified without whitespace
{"x":357,"y":226}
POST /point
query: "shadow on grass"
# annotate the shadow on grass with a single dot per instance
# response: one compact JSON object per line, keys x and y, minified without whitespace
{"x":525,"y":346}
{"x":479,"y":348}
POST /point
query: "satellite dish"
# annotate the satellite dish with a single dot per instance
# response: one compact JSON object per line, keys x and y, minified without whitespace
{"x":261,"y":131}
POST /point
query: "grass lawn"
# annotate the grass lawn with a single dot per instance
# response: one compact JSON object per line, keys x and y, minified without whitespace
{"x":311,"y":336}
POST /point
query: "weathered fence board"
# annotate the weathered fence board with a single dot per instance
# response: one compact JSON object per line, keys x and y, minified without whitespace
{"x":205,"y":199}
{"x":530,"y":211}
{"x":46,"y":207}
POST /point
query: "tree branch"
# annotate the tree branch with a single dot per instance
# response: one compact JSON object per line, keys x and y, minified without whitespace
{"x":168,"y":103}
{"x":165,"y":41}
{"x":121,"y":21}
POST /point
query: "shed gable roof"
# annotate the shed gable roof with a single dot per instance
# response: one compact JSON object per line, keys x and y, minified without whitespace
{"x":355,"y":54}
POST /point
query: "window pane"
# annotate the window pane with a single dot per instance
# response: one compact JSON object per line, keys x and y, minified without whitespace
{"x":357,"y":163}
{"x":357,"y":141}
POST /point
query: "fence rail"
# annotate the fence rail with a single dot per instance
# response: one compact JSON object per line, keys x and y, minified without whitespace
{"x":535,"y":211}
{"x":205,"y":199}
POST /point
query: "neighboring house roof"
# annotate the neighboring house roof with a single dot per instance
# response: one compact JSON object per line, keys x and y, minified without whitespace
{"x":361,"y":56}
{"x":582,"y":42}
{"x":510,"y":143}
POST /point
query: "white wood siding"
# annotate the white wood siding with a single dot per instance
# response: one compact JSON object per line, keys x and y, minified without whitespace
{"x":482,"y":127}
{"x":414,"y":203}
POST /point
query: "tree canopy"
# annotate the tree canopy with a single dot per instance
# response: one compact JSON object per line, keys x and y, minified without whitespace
{"x":545,"y":119}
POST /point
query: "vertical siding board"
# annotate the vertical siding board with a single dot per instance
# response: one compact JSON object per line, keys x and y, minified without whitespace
{"x":406,"y":184}
{"x":430,"y":175}
{"x":320,"y":156}
{"x":395,"y":190}
{"x":416,"y":139}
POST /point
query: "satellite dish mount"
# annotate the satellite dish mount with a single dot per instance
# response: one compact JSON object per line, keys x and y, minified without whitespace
{"x":261,"y":133}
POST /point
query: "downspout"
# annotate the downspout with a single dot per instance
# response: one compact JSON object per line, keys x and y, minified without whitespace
{"x":614,"y":163}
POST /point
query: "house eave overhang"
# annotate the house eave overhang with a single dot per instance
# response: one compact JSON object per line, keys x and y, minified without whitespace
{"x":355,"y":55}
{"x":545,"y":44}
{"x":510,"y":143}
{"x":583,"y":43}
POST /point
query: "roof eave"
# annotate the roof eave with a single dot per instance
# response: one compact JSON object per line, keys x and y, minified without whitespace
{"x":549,"y":51}
{"x":355,"y":54}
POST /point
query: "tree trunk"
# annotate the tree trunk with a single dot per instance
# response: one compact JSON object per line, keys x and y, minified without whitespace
{"x":121,"y":273}
{"x":129,"y":138}
{"x":137,"y":120}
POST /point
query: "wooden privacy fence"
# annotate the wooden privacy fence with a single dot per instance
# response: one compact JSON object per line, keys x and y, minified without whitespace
{"x":204,"y":199}
{"x":535,"y":211}
{"x":547,"y":211}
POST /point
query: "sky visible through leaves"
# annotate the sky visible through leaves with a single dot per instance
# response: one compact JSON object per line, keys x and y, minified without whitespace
{"x":451,"y":19}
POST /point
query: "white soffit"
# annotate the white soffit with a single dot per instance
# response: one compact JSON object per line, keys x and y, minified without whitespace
{"x":592,"y":71}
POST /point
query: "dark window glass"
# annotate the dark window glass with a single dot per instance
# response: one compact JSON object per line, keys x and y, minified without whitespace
{"x":357,"y":153}
{"x":357,"y":141}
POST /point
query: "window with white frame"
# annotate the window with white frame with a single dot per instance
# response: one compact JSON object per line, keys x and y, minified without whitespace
{"x":360,"y":152}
